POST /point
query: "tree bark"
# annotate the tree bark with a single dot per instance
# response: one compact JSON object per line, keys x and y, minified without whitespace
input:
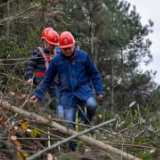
{"x":95,"y":143}
{"x":8,"y":12}
{"x":122,"y":64}
{"x":95,"y":54}
{"x":112,"y":84}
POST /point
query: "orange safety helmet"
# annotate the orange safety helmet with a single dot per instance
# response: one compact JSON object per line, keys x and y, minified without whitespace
{"x":45,"y":32}
{"x":52,"y":37}
{"x":66,"y":40}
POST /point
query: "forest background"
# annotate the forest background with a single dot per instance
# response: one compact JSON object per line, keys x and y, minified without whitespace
{"x":112,"y":33}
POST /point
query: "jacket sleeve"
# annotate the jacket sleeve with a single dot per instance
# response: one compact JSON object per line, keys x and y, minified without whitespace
{"x":32,"y":64}
{"x":47,"y":80}
{"x":94,"y":76}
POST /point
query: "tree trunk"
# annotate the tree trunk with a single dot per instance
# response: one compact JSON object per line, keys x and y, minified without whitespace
{"x":122,"y":64}
{"x":8,"y":12}
{"x":95,"y":143}
{"x":95,"y":54}
{"x":112,"y":84}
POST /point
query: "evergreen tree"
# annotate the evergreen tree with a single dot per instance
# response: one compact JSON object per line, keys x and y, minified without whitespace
{"x":108,"y":30}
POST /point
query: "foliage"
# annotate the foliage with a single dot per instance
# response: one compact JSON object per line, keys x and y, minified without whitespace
{"x":80,"y":143}
{"x":112,"y":33}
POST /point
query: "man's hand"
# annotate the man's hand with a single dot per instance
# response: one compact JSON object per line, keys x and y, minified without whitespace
{"x":34,"y":98}
{"x":100,"y":96}
{"x":30,"y":81}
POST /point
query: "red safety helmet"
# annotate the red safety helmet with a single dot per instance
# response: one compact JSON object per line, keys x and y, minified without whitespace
{"x":52,"y":37}
{"x":66,"y":40}
{"x":45,"y":32}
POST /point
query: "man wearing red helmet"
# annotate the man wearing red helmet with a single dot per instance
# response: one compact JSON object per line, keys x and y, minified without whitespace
{"x":39,"y":63}
{"x":76,"y":74}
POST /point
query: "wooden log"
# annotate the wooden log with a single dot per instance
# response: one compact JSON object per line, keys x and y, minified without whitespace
{"x":91,"y":141}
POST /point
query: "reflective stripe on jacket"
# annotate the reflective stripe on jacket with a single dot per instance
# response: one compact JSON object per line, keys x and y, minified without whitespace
{"x":47,"y":60}
{"x":37,"y":62}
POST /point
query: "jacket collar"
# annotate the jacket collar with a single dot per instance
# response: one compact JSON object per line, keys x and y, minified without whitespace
{"x":74,"y":54}
{"x":69,"y":58}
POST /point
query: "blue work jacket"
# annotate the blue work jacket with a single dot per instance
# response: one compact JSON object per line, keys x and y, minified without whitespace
{"x":76,"y":76}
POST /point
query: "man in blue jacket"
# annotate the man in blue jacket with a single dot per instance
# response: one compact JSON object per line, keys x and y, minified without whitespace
{"x":76,"y":74}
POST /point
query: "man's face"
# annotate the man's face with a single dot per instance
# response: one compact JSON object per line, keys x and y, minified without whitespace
{"x":49,"y":47}
{"x":67,"y":51}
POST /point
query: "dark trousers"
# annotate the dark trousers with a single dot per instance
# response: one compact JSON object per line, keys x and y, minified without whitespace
{"x":50,"y":96}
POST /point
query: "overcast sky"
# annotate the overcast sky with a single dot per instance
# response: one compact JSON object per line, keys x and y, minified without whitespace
{"x":150,"y":9}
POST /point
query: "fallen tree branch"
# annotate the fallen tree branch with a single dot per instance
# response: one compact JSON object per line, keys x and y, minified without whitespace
{"x":19,"y":59}
{"x":83,"y":125}
{"x":40,"y":139}
{"x":7,"y":75}
{"x":69,"y":138}
{"x":98,"y":144}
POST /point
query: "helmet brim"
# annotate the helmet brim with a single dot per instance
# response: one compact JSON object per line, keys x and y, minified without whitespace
{"x":67,"y":46}
{"x":52,"y":43}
